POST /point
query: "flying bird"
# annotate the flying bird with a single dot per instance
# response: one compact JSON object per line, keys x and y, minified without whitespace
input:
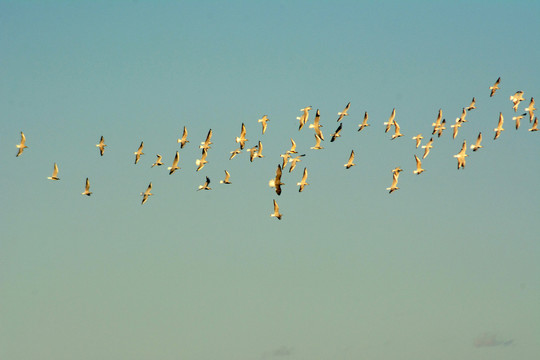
{"x":295,"y":160}
{"x":21,"y":146}
{"x":344,"y":112}
{"x":101,"y":145}
{"x":174,"y":166}
{"x":516,"y":99}
{"x":304,"y":118}
{"x":293,"y":148}
{"x":234,"y":153}
{"x":534,"y":125}
{"x":531,"y":109}
{"x":394,"y":186}
{"x":427,"y":148}
{"x":158,"y":161}
{"x":397,"y":133}
{"x":336,"y":134}
{"x":317,"y":126}
{"x":472,"y":105}
{"x":456,"y":126}
{"x":183,"y":141}
{"x":285,"y":157}
{"x":477,"y":145}
{"x":139,"y":152}
{"x":54,"y":174}
{"x":276,"y":181}
{"x":276,"y":213}
{"x":517,"y":119}
{"x":440,"y":128}
{"x":202,"y":161}
{"x":87,"y":191}
{"x":205,"y":185}
{"x":350,"y":162}
{"x":205,"y":145}
{"x":242,"y":138}
{"x":146,"y":193}
{"x":303,"y":182}
{"x":461,"y":119}
{"x":264,"y":121}
{"x":317,"y":143}
{"x":461,"y":155}
{"x":418,"y":139}
{"x":495,"y":87}
{"x":227,"y":179}
{"x":259,"y":150}
{"x":364,"y":122}
{"x":419,"y":169}
{"x":499,"y":127}
{"x":390,"y":121}
{"x":252,"y":153}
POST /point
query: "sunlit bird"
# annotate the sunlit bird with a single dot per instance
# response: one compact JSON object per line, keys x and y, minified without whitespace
{"x":304,"y":117}
{"x":242,"y":138}
{"x":174,"y":165}
{"x":397,"y":132}
{"x":21,"y":146}
{"x":534,"y":125}
{"x":472,"y":105}
{"x":495,"y":87}
{"x":259,"y":150}
{"x":364,"y":123}
{"x":292,"y":150}
{"x":252,"y":152}
{"x":394,"y":186}
{"x":54,"y":175}
{"x":418,"y":139}
{"x":303,"y":182}
{"x":344,"y":112}
{"x":87,"y":191}
{"x":101,"y":146}
{"x":205,"y":145}
{"x":419,"y":169}
{"x":499,"y":127}
{"x":227,"y":179}
{"x":427,"y":148}
{"x":316,"y":126}
{"x":202,"y":161}
{"x":477,"y":145}
{"x":286,"y":158}
{"x":337,"y":134}
{"x":276,"y":181}
{"x":530,"y":109}
{"x":440,"y":128}
{"x":276,"y":213}
{"x":463,"y":116}
{"x":456,"y":126}
{"x":390,"y":121}
{"x":350,"y":163}
{"x":317,"y":143}
{"x":461,"y":155}
{"x":517,"y":119}
{"x":139,"y":152}
{"x":516,"y":99}
{"x":158,"y":161}
{"x":263,"y":122}
{"x":205,"y":185}
{"x":234,"y":153}
{"x":183,"y":141}
{"x":295,"y":160}
{"x":146,"y":194}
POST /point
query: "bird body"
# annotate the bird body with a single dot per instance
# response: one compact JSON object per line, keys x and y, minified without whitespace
{"x":303,"y":182}
{"x":205,"y":145}
{"x":263,"y":122}
{"x":397,"y":132}
{"x":530,"y":109}
{"x":101,"y":145}
{"x":499,"y":127}
{"x":139,"y":152}
{"x":390,"y":121}
{"x":242,"y":138}
{"x":517,"y":119}
{"x":364,"y":122}
{"x":344,"y":112}
{"x":427,"y":148}
{"x":227,"y":178}
{"x":183,"y":141}
{"x":276,"y":181}
{"x":147,"y":193}
{"x":317,"y":126}
{"x":337,"y":134}
{"x":21,"y":146}
{"x":295,"y":160}
{"x":418,"y":139}
{"x":419,"y":169}
{"x":317,"y":143}
{"x":276,"y":213}
{"x":202,"y":161}
{"x":87,"y":191}
{"x":350,"y":163}
{"x":495,"y":87}
{"x":461,"y":155}
{"x":534,"y":126}
{"x":158,"y":161}
{"x":54,"y":175}
{"x":477,"y":145}
{"x":516,"y":99}
{"x":174,"y":165}
{"x":205,"y":185}
{"x":472,"y":105}
{"x":304,"y":117}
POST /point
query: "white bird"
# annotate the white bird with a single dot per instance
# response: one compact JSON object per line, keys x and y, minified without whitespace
{"x":21,"y":146}
{"x":259,"y":150}
{"x":285,"y":157}
{"x":472,"y":106}
{"x":397,"y":170}
{"x":344,"y":112}
{"x":139,"y":152}
{"x":394,"y":186}
{"x":364,"y":122}
{"x":252,"y":152}
{"x":205,"y":145}
{"x":456,"y":126}
{"x":350,"y":163}
{"x":227,"y":178}
{"x":427,"y":148}
{"x":516,"y":99}
{"x":440,"y":128}
{"x":174,"y":166}
{"x":317,"y":143}
{"x":234,"y":153}
{"x":242,"y":138}
{"x":304,"y":118}
{"x":147,"y":193}
{"x":418,"y":139}
{"x":336,"y":134}
{"x":276,"y":213}
{"x":437,"y":122}
{"x":263,"y":121}
{"x":419,"y":169}
{"x":530,"y":110}
{"x":390,"y":121}
{"x":317,"y":126}
{"x":276,"y":181}
{"x":295,"y":160}
{"x":499,"y":127}
{"x":534,"y":125}
{"x":54,"y":174}
{"x":87,"y":191}
{"x":205,"y":186}
{"x":463,"y":116}
{"x":495,"y":87}
{"x":303,"y":182}
{"x":158,"y":161}
{"x":101,"y":145}
{"x":183,"y":141}
{"x":202,"y":161}
{"x":477,"y":145}
{"x":293,"y":148}
{"x":397,"y":133}
{"x":461,"y":155}
{"x":517,"y":119}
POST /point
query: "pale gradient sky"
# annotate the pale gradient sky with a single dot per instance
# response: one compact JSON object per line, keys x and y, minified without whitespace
{"x":446,"y":263}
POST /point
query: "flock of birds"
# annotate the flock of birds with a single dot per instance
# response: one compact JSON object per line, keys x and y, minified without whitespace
{"x":292,"y":157}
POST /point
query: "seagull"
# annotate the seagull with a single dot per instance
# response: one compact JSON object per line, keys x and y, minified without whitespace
{"x":472,"y":106}
{"x":294,"y":160}
{"x":456,"y":126}
{"x":516,"y":99}
{"x":205,"y":186}
{"x":202,"y":161}
{"x":304,"y":118}
{"x":394,"y":186}
{"x":54,"y":173}
{"x":477,"y":145}
{"x":183,"y":141}
{"x":303,"y":182}
{"x":530,"y":110}
{"x":336,"y":133}
{"x":499,"y":127}
{"x":344,"y":112}
{"x":293,"y":148}
{"x":276,"y":182}
{"x":350,"y":163}
{"x":276,"y":213}
{"x":158,"y":161}
{"x":364,"y":122}
{"x":22,"y":145}
{"x":463,"y":116}
{"x":87,"y":191}
{"x":101,"y":146}
{"x":139,"y":152}
{"x":518,"y":118}
{"x":461,"y":155}
{"x":396,"y":171}
{"x":227,"y":178}
{"x":259,"y":150}
{"x":285,"y":157}
{"x":534,"y":125}
{"x":234,"y":153}
{"x":495,"y":87}
{"x":427,"y":147}
{"x":174,"y":166}
{"x":242,"y":139}
{"x":263,"y":121}
{"x":147,"y":193}
{"x":440,"y":128}
{"x":317,"y":126}
{"x":390,"y":120}
{"x":437,"y":122}
{"x":317,"y":143}
{"x":418,"y":139}
{"x":419,"y":169}
{"x":252,"y":153}
{"x":397,"y":133}
{"x":205,"y":145}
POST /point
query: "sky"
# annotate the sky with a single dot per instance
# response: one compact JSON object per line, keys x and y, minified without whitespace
{"x":446,"y":267}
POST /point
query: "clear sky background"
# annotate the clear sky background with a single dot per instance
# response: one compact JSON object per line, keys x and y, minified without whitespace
{"x":444,"y":268}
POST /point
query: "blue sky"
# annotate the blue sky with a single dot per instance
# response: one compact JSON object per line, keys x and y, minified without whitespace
{"x":446,"y":267}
